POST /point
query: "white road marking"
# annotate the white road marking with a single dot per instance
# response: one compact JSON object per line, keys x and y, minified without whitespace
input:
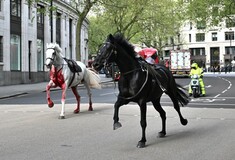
{"x":217,"y":95}
{"x":110,"y":93}
{"x":224,"y":91}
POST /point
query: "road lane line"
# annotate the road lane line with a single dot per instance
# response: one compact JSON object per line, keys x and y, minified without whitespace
{"x":109,"y":93}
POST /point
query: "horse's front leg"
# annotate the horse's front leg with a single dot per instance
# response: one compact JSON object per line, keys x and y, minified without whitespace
{"x":75,"y":92}
{"x":48,"y":87}
{"x":64,"y":89}
{"x":143,"y":123}
{"x":117,"y":105}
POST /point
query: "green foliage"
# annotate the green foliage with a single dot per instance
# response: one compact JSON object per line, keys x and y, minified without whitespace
{"x":211,"y":11}
{"x":140,"y":21}
{"x":162,"y":19}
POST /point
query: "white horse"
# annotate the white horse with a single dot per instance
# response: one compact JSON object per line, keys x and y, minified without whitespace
{"x":62,"y":76}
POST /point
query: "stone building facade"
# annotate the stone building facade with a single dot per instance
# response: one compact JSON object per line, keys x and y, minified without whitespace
{"x":210,"y":47}
{"x":25,"y":32}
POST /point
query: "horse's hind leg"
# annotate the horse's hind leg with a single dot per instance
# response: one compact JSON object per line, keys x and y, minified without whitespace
{"x":143,"y":123}
{"x":177,"y":108}
{"x":75,"y":92}
{"x":89,"y":96}
{"x":158,"y":107}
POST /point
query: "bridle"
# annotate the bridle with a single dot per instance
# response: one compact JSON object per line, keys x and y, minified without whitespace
{"x":52,"y":58}
{"x":113,"y":51}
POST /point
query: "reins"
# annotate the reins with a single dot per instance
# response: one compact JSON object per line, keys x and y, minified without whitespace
{"x":142,"y":87}
{"x":131,"y":71}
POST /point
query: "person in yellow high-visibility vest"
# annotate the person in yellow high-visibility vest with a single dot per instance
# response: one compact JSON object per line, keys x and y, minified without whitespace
{"x":197,"y":70}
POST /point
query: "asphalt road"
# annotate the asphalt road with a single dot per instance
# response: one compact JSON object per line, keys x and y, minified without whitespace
{"x":219,"y":94}
{"x":30,"y":130}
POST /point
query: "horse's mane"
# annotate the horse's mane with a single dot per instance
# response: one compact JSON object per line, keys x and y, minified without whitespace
{"x":56,"y":47}
{"x":119,"y":38}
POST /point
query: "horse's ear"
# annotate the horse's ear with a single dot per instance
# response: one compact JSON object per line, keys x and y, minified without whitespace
{"x":110,"y":37}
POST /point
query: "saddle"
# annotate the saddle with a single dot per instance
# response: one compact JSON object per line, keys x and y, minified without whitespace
{"x":73,"y":66}
{"x":154,"y":70}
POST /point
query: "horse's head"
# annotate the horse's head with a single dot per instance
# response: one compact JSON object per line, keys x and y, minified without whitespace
{"x":106,"y":53}
{"x":51,"y":54}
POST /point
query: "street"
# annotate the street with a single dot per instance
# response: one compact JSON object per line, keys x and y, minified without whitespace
{"x":219,"y":94}
{"x":31,"y":130}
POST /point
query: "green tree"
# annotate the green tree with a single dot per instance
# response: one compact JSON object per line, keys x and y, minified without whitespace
{"x":113,"y":16}
{"x":150,"y":22}
{"x":98,"y":30}
{"x":161,"y":20}
{"x":210,"y":11}
{"x":82,"y":10}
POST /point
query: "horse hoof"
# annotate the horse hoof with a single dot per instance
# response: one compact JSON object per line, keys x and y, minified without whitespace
{"x":161,"y":134}
{"x":61,"y":117}
{"x":184,"y":122}
{"x":140,"y":145}
{"x":76,"y":111}
{"x":50,"y":105}
{"x":117,"y":125}
{"x":90,"y":109}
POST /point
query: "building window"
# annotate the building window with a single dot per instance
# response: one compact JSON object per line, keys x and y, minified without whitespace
{"x":40,"y":57}
{"x":229,"y":35}
{"x":40,"y":15}
{"x":15,"y":52}
{"x":65,"y":23}
{"x":15,"y":8}
{"x":70,"y":30}
{"x":230,"y":50}
{"x":178,"y":36}
{"x":58,"y":28}
{"x":200,"y":37}
{"x":190,"y":25}
{"x":198,"y":51}
{"x":214,"y":36}
{"x":1,"y":49}
{"x":70,"y":36}
{"x":190,"y":38}
{"x":29,"y":12}
{"x":201,"y":24}
{"x":171,"y":40}
{"x":1,"y":5}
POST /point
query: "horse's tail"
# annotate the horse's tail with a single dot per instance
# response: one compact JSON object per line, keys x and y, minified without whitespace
{"x":93,"y":79}
{"x":182,"y":97}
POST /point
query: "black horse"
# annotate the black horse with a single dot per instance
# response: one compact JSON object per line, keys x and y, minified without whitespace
{"x":139,"y":82}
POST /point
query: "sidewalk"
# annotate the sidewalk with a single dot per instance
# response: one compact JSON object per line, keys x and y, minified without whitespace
{"x":21,"y":89}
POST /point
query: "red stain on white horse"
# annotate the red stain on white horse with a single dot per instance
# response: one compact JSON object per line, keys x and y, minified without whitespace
{"x":61,"y":76}
{"x":57,"y":77}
